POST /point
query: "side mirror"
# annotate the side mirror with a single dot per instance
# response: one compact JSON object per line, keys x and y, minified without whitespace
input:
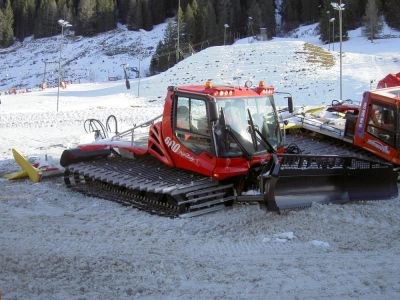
{"x":397,"y":140}
{"x":290,"y":104}
{"x":386,"y":117}
{"x":213,"y":112}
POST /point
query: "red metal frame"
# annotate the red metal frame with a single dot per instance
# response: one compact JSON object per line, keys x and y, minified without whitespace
{"x":390,"y":80}
{"x":367,"y":141}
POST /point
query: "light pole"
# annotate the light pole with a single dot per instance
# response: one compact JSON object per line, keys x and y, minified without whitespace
{"x":332,"y":20}
{"x":178,"y":19}
{"x":340,"y":7}
{"x":251,"y":26}
{"x":44,"y":73}
{"x":226,"y":26}
{"x":329,"y":29}
{"x":127,"y":83}
{"x":142,"y":32}
{"x":63,"y":24}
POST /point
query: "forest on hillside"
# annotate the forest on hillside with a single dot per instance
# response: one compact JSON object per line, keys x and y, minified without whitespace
{"x":202,"y":23}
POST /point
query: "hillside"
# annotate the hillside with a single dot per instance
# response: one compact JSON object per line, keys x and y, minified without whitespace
{"x":84,"y":59}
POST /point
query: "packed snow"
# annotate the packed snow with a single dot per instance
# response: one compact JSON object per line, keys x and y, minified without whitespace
{"x":58,"y":244}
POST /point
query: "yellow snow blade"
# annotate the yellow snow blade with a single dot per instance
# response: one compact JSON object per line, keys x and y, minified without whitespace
{"x":315,"y":110}
{"x":33,"y":173}
{"x":291,"y":126}
{"x":16,"y":175}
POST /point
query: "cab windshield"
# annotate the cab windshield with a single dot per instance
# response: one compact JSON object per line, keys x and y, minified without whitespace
{"x":236,"y":115}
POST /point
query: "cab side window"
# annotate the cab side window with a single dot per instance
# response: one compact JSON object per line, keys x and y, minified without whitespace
{"x":199,"y":118}
{"x":182,"y":114}
{"x":382,"y":123}
{"x":192,"y":127}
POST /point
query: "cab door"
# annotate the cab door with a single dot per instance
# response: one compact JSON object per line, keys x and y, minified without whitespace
{"x":381,"y":128}
{"x":192,"y":143}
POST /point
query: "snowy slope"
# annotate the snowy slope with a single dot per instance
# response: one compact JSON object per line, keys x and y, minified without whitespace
{"x":57,"y":244}
{"x":90,"y":59}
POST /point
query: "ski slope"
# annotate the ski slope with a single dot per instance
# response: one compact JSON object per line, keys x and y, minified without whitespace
{"x":57,"y":244}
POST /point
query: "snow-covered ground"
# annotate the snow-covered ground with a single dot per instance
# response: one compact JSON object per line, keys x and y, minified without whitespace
{"x":58,"y":244}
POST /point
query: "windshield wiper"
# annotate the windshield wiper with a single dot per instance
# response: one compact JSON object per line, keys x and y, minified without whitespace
{"x":227,"y":128}
{"x":242,"y":148}
{"x":254,"y":133}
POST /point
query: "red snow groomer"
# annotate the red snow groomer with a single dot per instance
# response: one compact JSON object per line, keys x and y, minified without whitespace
{"x":390,"y":80}
{"x":372,"y":125}
{"x":213,"y":146}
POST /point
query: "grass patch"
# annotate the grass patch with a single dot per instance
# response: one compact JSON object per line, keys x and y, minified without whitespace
{"x":317,"y":55}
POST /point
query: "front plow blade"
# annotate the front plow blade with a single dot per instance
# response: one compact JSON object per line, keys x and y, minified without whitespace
{"x":295,"y":181}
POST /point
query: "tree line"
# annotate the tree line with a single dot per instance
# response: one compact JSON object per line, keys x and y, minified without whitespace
{"x":23,"y":18}
{"x":202,"y":23}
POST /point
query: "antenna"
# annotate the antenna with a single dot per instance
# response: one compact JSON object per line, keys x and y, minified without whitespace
{"x":237,"y":78}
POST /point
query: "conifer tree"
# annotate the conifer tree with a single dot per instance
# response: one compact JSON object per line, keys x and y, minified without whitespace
{"x":2,"y":23}
{"x":46,"y":19}
{"x":166,"y":52}
{"x":105,"y":15}
{"x":123,"y":9}
{"x":254,"y":12}
{"x":6,"y":25}
{"x":197,"y":33}
{"x":222,"y":11}
{"x":268,"y":17}
{"x":134,"y":17}
{"x":156,"y":60}
{"x":372,"y":21}
{"x":236,"y":16}
{"x":309,"y":11}
{"x":189,"y":22}
{"x":210,"y":23}
{"x":392,"y":13}
{"x":65,"y":10}
{"x":24,"y":17}
{"x":158,"y":9}
{"x":290,"y":14}
{"x":325,"y":27}
{"x":165,"y":56}
{"x":146,"y":15}
{"x":202,"y":15}
{"x":352,"y":15}
{"x":183,"y":37}
{"x":86,"y":19}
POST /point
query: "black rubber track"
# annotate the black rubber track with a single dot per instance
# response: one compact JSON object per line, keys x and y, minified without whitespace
{"x":149,"y":185}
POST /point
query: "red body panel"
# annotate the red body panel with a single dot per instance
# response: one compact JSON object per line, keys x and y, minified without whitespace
{"x":344,"y":108}
{"x":157,"y":147}
{"x":389,"y":81}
